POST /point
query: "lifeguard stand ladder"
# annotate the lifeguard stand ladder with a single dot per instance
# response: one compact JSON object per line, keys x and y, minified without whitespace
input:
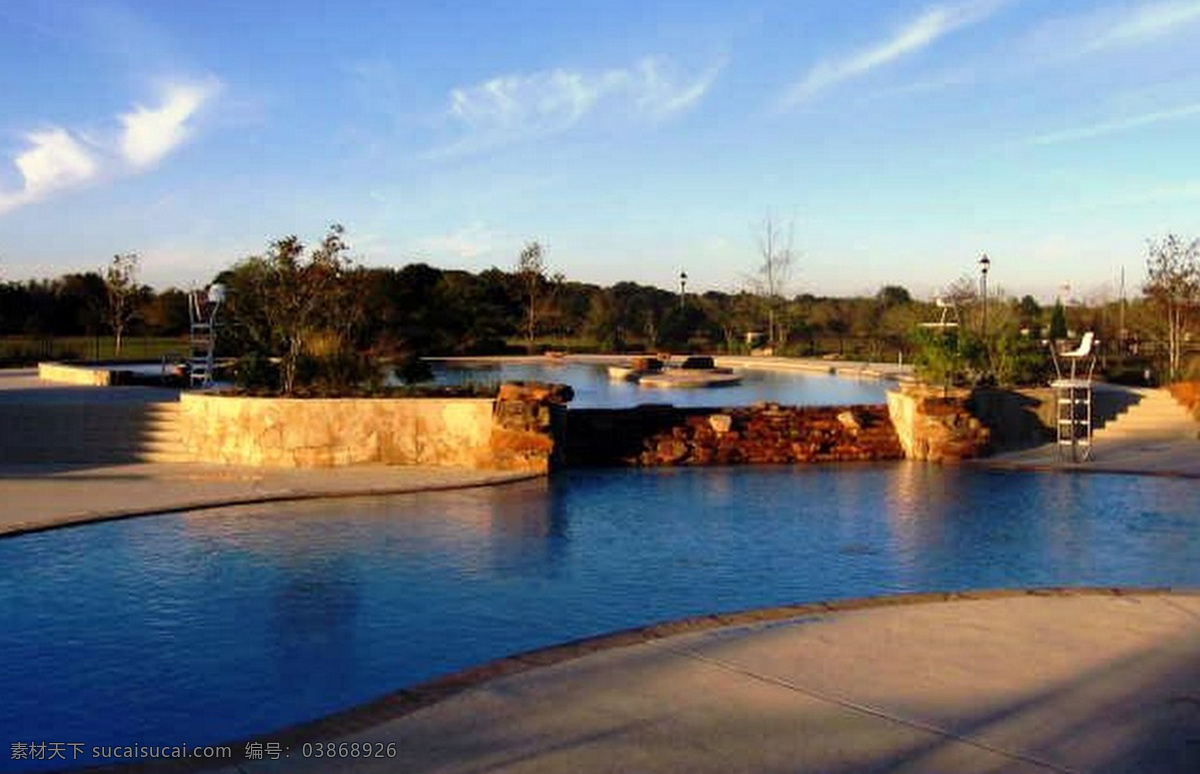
{"x":202,"y":313}
{"x":1073,"y":399}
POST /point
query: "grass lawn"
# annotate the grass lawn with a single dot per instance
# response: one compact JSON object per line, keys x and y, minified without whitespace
{"x":27,"y":350}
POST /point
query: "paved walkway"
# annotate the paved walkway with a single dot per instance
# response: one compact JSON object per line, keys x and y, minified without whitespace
{"x":1046,"y":682}
{"x":36,"y":497}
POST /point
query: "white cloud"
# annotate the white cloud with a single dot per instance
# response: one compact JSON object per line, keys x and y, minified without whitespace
{"x":1145,"y":23}
{"x":1115,"y":127}
{"x":469,"y":242}
{"x":915,"y":36}
{"x":516,"y":107}
{"x":59,"y":158}
{"x":150,"y":134}
{"x":1111,"y":29}
{"x":55,"y":161}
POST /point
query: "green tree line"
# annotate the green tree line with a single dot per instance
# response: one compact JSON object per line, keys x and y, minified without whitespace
{"x":288,"y":302}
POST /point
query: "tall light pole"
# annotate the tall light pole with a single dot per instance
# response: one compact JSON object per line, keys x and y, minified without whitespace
{"x":984,"y":264}
{"x":682,"y":288}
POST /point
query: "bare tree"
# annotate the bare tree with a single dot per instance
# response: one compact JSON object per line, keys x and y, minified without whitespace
{"x":536,"y":288}
{"x":120,"y":281}
{"x":771,"y":277}
{"x":1174,"y":287}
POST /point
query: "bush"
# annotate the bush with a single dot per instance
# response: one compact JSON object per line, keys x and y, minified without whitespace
{"x":256,"y":371}
{"x":947,"y":357}
{"x":1020,"y":360}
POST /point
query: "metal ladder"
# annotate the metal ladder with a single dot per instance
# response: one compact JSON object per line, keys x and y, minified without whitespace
{"x":1074,"y":419}
{"x":202,"y":314}
{"x":1073,"y":400}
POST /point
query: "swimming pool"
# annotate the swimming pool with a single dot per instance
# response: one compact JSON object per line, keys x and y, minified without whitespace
{"x":593,"y":388}
{"x":227,"y":623}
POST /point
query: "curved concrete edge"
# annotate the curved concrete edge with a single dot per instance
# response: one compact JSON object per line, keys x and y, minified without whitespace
{"x":406,"y":701}
{"x":1077,"y":467}
{"x":94,"y":517}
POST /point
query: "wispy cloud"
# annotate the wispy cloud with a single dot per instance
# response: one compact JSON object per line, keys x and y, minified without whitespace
{"x":151,"y":133}
{"x":468,"y":242}
{"x":1145,"y":23}
{"x":937,"y":82}
{"x":511,"y":108}
{"x":54,"y":161}
{"x":932,"y":25}
{"x":58,"y":159}
{"x":1113,"y":28}
{"x":1117,"y":126}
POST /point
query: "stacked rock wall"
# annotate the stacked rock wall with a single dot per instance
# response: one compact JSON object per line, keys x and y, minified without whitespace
{"x":936,"y":427}
{"x":528,"y":422}
{"x":768,"y":433}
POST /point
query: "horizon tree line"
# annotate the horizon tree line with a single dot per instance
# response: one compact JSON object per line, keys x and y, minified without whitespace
{"x":423,"y":310}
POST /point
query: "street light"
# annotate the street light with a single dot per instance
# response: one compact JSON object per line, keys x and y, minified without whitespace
{"x":984,"y":264}
{"x":682,"y":288}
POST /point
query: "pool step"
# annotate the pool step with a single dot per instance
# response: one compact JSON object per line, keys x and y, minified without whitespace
{"x":91,"y":432}
{"x":161,"y":440}
{"x":1157,"y":415}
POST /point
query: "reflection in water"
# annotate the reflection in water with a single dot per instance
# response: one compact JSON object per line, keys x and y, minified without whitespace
{"x":224,"y":623}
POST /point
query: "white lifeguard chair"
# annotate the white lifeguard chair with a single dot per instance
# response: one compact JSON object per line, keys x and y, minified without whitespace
{"x":1073,"y":398}
{"x":202,"y":313}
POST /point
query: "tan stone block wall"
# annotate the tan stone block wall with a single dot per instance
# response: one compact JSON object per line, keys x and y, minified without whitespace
{"x":324,"y":433}
{"x":69,"y":374}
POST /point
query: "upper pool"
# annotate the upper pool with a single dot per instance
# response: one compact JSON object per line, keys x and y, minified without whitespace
{"x":227,"y":623}
{"x":593,"y":388}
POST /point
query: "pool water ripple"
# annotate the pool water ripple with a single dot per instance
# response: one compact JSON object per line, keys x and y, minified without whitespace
{"x":227,"y":623}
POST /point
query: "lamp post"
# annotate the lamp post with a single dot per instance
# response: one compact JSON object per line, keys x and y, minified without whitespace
{"x":682,"y":288}
{"x":984,"y":264}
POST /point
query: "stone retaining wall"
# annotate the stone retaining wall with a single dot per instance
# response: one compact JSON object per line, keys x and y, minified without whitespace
{"x":318,"y":432}
{"x":764,"y":434}
{"x":513,"y":432}
{"x":63,"y":373}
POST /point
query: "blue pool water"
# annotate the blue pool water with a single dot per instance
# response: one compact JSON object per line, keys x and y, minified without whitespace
{"x":593,"y":388}
{"x":227,"y":623}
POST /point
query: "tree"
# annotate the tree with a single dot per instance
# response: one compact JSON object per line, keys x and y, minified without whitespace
{"x":1029,"y":312}
{"x":771,"y":278}
{"x":893,"y":295}
{"x":1174,"y":287}
{"x":1058,"y":321}
{"x":535,"y":288}
{"x":120,"y":280}
{"x":289,"y":305}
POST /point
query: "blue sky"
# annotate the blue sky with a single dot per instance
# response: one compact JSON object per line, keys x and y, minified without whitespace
{"x":633,"y":139}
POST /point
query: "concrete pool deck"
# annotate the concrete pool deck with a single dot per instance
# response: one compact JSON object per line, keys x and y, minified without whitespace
{"x":1023,"y":681}
{"x":35,"y":497}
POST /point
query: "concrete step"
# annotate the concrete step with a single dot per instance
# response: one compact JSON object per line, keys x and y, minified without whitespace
{"x":1156,"y":415}
{"x":94,"y":433}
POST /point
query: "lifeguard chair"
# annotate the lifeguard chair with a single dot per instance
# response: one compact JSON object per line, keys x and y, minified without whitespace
{"x":1073,"y":398}
{"x":202,"y":313}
